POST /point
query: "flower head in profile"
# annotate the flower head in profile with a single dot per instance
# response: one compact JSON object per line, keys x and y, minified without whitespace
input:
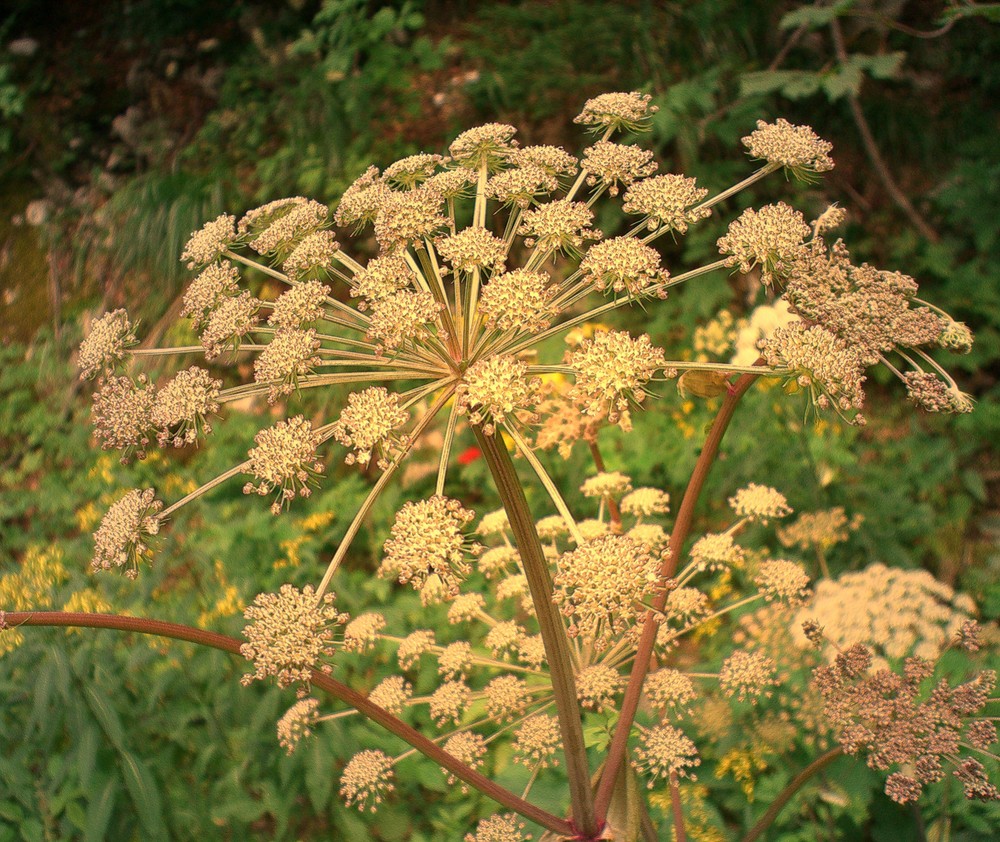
{"x":797,"y":148}
{"x":107,"y":345}
{"x":122,"y":539}
{"x":367,"y":779}
{"x":206,"y":244}
{"x":627,"y":112}
{"x":284,"y":461}
{"x":772,"y":238}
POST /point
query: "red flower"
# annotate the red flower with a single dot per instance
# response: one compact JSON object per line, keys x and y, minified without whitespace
{"x":469,"y":455}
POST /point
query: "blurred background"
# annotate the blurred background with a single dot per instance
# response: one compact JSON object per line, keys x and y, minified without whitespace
{"x":125,"y":125}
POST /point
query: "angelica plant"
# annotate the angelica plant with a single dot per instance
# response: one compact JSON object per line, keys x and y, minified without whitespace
{"x":485,"y":255}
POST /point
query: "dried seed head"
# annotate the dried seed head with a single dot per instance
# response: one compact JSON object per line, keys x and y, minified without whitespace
{"x":609,"y":164}
{"x":427,"y":539}
{"x":664,"y":752}
{"x":284,"y":461}
{"x":497,"y":390}
{"x":931,"y":393}
{"x":206,"y":292}
{"x":362,"y":633}
{"x":402,"y":317}
{"x":210,"y":241}
{"x":796,"y":147}
{"x":301,"y":304}
{"x":288,"y":357}
{"x":646,"y":502}
{"x":667,"y":201}
{"x":367,"y":425}
{"x":313,"y":255}
{"x":748,"y":676}
{"x":405,"y":219}
{"x":772,"y":238}
{"x":121,"y":541}
{"x":623,"y":264}
{"x":233,"y":319}
{"x":521,"y":185}
{"x":290,"y":633}
{"x":598,"y":686}
{"x":627,"y":112}
{"x":560,"y":225}
{"x":182,"y":406}
{"x":536,"y":742}
{"x":606,"y":484}
{"x":759,"y":503}
{"x":392,"y":693}
{"x":491,"y":145}
{"x":612,"y":370}
{"x":473,"y":248}
{"x":297,"y":722}
{"x":367,"y":779}
{"x":122,"y":415}
{"x":519,"y":300}
{"x":107,"y":344}
{"x":363,"y":200}
{"x":410,"y":171}
{"x":382,"y":277}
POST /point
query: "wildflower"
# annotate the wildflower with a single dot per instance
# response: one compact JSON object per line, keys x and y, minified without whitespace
{"x":122,"y":415}
{"x":609,"y":163}
{"x":301,"y":304}
{"x":598,"y":685}
{"x":623,"y":264}
{"x":553,"y":159}
{"x":759,"y":503}
{"x":687,"y":605}
{"x":521,"y":185}
{"x":747,"y":676}
{"x":612,"y":370}
{"x":412,"y":170}
{"x":363,"y":200}
{"x":494,"y":523}
{"x":206,"y":244}
{"x":823,"y":530}
{"x":367,"y":779}
{"x":665,"y":752}
{"x":289,"y":635}
{"x":449,"y":701}
{"x":285,"y":461}
{"x":469,"y":748}
{"x":646,"y":502}
{"x":297,"y":723}
{"x":405,"y":219}
{"x":455,"y":660}
{"x":413,"y":646}
{"x":782,"y":580}
{"x":667,"y":201}
{"x":628,"y":112}
{"x":591,"y":528}
{"x":670,"y":690}
{"x":536,"y":741}
{"x":716,"y":551}
{"x":506,"y":698}
{"x":258,"y":219}
{"x":518,"y":300}
{"x":207,"y":291}
{"x":232,"y":320}
{"x":651,"y":534}
{"x":121,"y":539}
{"x":107,"y":344}
{"x":497,"y":560}
{"x":362,"y":633}
{"x":606,"y":484}
{"x":450,"y":184}
{"x":402,"y":317}
{"x":488,"y":146}
{"x":771,"y":238}
{"x":499,"y":828}
{"x":296,"y":220}
{"x":602,"y":583}
{"x":497,"y":389}
{"x":531,"y":651}
{"x":392,"y":693}
{"x":181,"y":407}
{"x":426,"y":538}
{"x":956,"y":336}
{"x":552,"y":527}
{"x":504,"y":637}
{"x":559,"y":225}
{"x":466,"y":608}
{"x":313,"y":253}
{"x":797,"y":148}
{"x":367,"y":425}
{"x":382,"y":277}
{"x":473,"y":248}
{"x":288,"y":357}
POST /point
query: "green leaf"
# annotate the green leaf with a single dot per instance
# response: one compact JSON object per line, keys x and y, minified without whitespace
{"x":145,"y":795}
{"x":99,"y":812}
{"x":108,"y":718}
{"x":815,"y":16}
{"x":794,"y":84}
{"x":319,"y":775}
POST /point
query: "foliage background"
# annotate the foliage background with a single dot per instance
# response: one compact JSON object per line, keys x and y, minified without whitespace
{"x":124,"y":125}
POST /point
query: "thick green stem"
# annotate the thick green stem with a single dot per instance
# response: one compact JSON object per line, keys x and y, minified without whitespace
{"x":786,"y":794}
{"x":339,"y":691}
{"x":682,"y":526}
{"x":550,"y":623}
